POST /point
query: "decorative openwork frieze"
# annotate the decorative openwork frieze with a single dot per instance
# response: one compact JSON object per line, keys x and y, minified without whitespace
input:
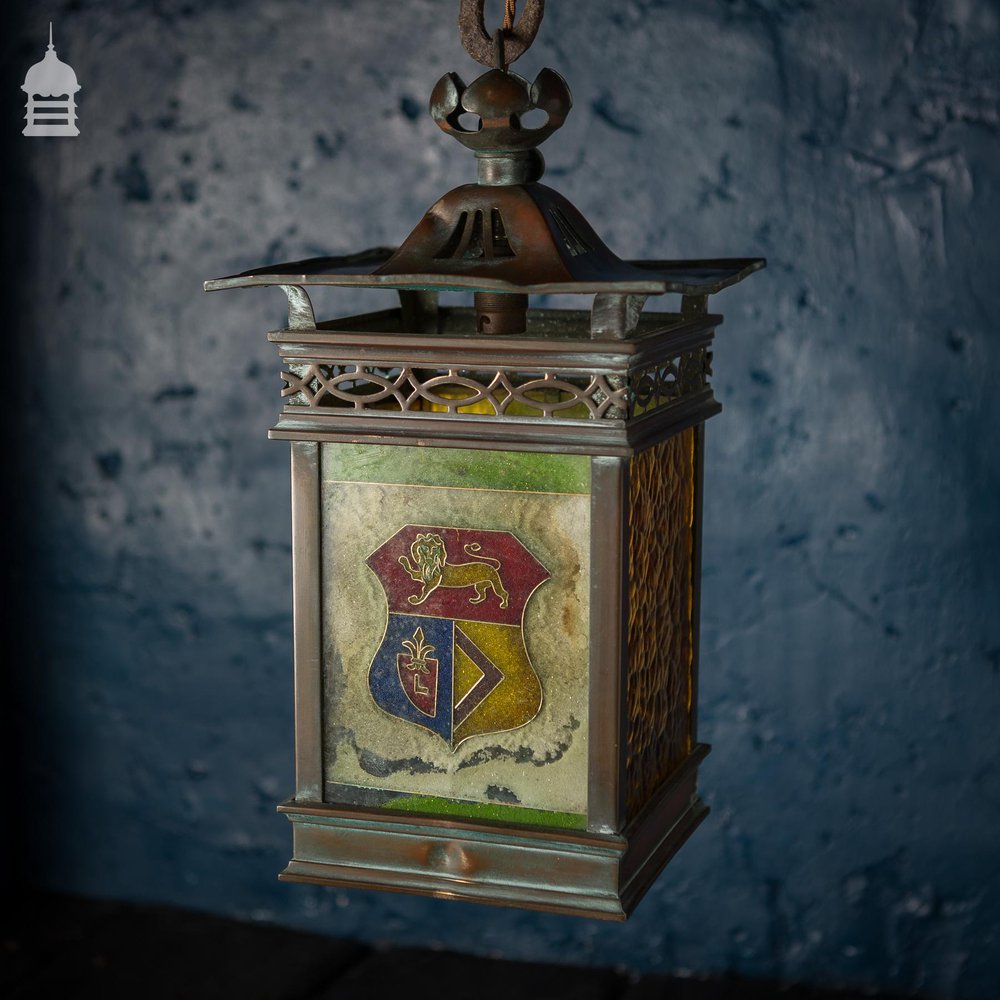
{"x":497,"y":393}
{"x":661,"y":384}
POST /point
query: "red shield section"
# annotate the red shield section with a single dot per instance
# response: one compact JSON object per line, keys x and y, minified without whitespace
{"x":457,"y":573}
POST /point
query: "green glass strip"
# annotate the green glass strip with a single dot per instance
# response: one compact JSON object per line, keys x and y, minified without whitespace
{"x":523,"y":472}
{"x":487,"y":810}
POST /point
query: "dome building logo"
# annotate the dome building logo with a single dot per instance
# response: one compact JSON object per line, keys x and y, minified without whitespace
{"x":51,"y":86}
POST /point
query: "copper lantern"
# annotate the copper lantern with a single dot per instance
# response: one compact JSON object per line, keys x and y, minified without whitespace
{"x":496,"y":519}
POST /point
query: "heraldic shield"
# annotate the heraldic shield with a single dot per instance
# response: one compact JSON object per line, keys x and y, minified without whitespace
{"x":453,"y":660}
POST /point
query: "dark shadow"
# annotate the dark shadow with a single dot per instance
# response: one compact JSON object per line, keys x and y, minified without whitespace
{"x":17,"y":226}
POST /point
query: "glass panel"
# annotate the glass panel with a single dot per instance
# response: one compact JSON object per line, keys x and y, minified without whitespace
{"x":661,"y":600}
{"x":456,"y":632}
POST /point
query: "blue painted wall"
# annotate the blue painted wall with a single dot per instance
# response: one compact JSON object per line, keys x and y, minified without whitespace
{"x":851,"y":639}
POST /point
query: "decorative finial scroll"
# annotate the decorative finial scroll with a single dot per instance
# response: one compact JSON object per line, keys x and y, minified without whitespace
{"x":499,"y":99}
{"x":509,"y":42}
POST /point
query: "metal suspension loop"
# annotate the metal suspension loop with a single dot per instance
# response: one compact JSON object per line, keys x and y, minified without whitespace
{"x":515,"y":38}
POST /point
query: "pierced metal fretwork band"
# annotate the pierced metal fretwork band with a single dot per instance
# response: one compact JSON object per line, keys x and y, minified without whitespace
{"x":665,"y":383}
{"x":497,"y":393}
{"x":453,"y":391}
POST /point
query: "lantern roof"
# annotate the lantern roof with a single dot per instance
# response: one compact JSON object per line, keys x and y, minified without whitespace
{"x":50,"y":77}
{"x":368,"y":270}
{"x":508,"y":233}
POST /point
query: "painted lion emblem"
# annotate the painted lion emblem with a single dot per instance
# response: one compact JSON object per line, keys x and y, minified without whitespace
{"x":432,"y":570}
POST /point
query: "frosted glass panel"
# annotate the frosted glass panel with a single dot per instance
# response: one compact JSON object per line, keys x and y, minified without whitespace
{"x":456,"y":616}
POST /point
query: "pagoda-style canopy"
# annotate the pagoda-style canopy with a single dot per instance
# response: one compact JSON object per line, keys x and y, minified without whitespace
{"x":693,"y":278}
{"x":509,"y":234}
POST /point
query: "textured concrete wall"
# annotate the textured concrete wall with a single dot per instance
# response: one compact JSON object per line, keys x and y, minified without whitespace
{"x":851,"y":638}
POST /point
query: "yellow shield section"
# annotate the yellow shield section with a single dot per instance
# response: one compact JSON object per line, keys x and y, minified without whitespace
{"x":512,"y":703}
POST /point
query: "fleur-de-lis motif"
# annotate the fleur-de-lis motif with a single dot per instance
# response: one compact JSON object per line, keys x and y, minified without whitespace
{"x":419,"y":650}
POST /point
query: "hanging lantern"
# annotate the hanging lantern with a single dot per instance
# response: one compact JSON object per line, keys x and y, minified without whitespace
{"x":496,"y":518}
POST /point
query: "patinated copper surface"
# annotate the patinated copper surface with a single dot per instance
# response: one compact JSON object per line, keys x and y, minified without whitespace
{"x":508,"y":234}
{"x":496,"y":679}
{"x":552,"y":385}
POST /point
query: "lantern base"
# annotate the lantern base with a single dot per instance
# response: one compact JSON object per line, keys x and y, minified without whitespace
{"x":581,"y":874}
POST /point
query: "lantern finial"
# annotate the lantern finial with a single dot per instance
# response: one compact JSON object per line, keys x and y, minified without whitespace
{"x":500,"y":100}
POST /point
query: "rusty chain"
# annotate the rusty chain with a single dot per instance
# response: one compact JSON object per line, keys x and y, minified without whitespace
{"x":510,"y":15}
{"x":501,"y":48}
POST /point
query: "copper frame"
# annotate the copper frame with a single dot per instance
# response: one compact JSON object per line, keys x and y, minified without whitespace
{"x":604,"y":871}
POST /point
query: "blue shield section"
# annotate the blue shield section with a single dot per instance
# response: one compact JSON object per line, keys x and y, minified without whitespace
{"x":383,"y":677}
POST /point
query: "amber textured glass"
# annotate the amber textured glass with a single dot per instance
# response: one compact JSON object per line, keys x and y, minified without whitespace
{"x":662,"y":484}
